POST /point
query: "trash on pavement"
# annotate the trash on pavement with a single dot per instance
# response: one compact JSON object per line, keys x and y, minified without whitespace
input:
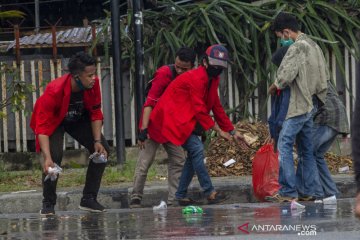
{"x":297,"y":212}
{"x":345,"y":169}
{"x":161,"y":206}
{"x":192,"y":209}
{"x":229,"y":162}
{"x":296,"y":205}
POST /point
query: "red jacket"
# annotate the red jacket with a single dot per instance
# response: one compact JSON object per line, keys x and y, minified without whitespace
{"x":162,"y":78}
{"x":187,"y":100}
{"x":51,"y":107}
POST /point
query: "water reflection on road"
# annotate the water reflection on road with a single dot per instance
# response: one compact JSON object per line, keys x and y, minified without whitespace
{"x":252,"y":221}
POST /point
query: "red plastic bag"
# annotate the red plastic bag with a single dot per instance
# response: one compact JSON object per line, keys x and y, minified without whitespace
{"x":265,"y":172}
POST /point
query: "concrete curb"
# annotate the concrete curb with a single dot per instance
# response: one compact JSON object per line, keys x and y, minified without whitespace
{"x":238,"y":188}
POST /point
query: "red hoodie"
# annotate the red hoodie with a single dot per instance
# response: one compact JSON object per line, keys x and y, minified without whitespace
{"x":187,"y":100}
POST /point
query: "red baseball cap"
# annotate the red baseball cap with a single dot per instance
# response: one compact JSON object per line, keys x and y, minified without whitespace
{"x":218,"y":55}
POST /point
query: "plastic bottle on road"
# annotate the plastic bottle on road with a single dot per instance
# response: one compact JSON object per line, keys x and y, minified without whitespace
{"x":192,"y":209}
{"x":98,"y":157}
{"x":161,"y":206}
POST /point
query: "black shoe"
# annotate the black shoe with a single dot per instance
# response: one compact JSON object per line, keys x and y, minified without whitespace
{"x":135,"y":203}
{"x":90,"y":204}
{"x":47,"y":209}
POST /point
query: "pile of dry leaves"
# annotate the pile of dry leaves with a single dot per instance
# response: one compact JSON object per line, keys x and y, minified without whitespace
{"x":220,"y":151}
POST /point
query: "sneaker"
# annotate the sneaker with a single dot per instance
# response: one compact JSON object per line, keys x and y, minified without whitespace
{"x":306,"y":198}
{"x":278,"y":198}
{"x":47,"y":209}
{"x":330,"y":200}
{"x":216,"y":197}
{"x":91,"y":205}
{"x":135,"y":203}
{"x":187,"y":202}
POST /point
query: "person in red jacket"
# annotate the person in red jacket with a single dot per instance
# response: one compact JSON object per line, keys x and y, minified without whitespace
{"x":184,"y":61}
{"x":72,"y":104}
{"x":187,"y":101}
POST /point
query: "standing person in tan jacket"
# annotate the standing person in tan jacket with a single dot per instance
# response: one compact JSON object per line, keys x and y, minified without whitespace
{"x":304,"y":70}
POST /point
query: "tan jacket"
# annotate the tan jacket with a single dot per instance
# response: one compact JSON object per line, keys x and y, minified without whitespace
{"x":304,"y":70}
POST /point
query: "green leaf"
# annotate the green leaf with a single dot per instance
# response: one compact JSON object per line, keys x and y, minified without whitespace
{"x":12,"y":14}
{"x":209,"y":24}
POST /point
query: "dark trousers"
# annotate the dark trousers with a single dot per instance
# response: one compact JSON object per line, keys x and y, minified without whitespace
{"x":82,"y":132}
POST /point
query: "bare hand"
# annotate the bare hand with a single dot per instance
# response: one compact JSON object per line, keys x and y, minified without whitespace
{"x":240,"y":140}
{"x":143,"y":135}
{"x":141,"y":144}
{"x":47,"y":163}
{"x":272,"y":89}
{"x":100,"y":149}
{"x":225,"y":135}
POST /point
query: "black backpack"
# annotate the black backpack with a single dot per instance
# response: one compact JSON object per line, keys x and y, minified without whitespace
{"x":149,"y":83}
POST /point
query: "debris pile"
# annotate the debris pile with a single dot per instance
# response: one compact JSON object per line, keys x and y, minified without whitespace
{"x":336,"y":163}
{"x":221,"y":151}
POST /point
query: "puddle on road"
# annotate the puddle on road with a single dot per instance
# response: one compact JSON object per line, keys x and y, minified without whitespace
{"x":225,"y":220}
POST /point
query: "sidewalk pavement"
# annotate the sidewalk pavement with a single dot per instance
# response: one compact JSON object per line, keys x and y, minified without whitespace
{"x":238,"y":188}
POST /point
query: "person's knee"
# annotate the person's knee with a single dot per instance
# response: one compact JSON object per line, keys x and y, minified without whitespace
{"x":197,"y":153}
{"x":318,"y":156}
{"x":143,"y":166}
{"x":97,"y":167}
{"x":176,"y":162}
{"x":196,"y":149}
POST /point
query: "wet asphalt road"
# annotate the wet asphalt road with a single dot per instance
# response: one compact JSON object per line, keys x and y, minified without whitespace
{"x":235,"y":221}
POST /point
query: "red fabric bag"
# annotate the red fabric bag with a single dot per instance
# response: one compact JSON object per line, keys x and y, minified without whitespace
{"x":265,"y":172}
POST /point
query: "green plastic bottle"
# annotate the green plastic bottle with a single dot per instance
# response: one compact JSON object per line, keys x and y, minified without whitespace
{"x":192,"y":209}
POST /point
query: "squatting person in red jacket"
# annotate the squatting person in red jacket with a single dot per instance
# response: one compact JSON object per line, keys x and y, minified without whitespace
{"x":188,"y":100}
{"x":72,"y":104}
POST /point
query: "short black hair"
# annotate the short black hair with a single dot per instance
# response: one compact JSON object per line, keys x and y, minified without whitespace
{"x":278,"y":56}
{"x":186,"y":54}
{"x":285,"y":20}
{"x":79,"y":61}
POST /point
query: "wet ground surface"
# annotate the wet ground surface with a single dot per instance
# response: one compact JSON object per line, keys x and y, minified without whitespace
{"x":235,"y":221}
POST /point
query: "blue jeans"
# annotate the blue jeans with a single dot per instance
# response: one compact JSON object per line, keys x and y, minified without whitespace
{"x":300,"y":128}
{"x":323,"y":137}
{"x":194,"y":163}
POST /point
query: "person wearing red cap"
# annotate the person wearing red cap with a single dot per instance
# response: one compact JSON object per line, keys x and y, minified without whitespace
{"x":187,"y":101}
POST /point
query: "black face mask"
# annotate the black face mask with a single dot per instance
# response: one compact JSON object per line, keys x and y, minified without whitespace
{"x":214,"y":71}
